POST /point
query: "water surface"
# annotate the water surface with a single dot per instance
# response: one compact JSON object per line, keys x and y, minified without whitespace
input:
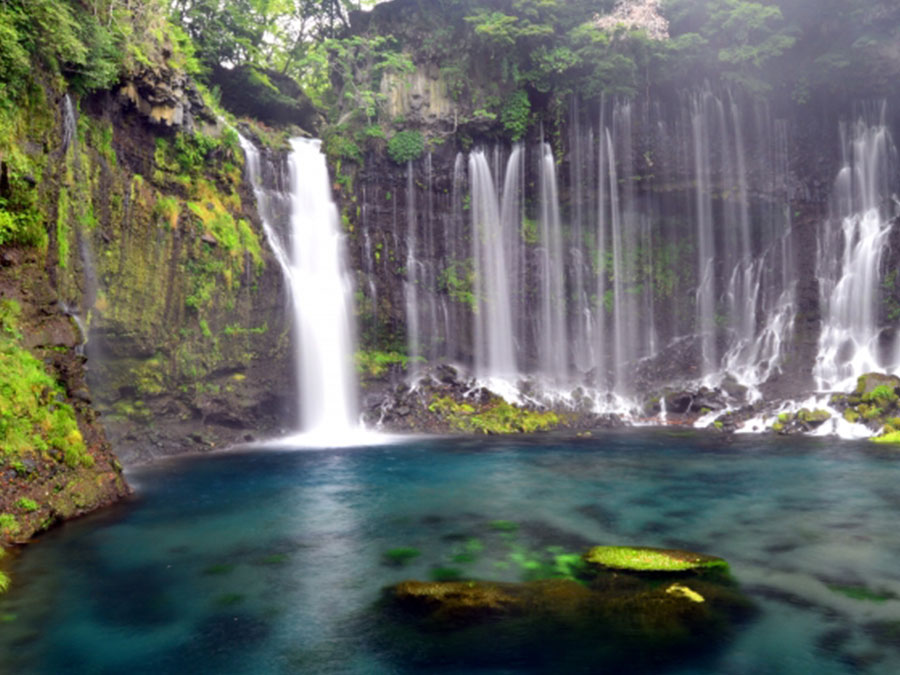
{"x":272,"y":561}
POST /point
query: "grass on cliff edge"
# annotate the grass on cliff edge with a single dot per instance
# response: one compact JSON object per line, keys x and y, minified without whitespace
{"x":651,"y":559}
{"x":33,"y":417}
{"x":4,"y":579}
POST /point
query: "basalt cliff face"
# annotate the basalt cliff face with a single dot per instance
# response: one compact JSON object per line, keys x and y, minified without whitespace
{"x":144,"y":315}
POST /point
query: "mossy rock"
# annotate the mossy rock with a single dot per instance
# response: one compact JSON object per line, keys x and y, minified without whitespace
{"x":560,"y":624}
{"x":813,"y":417}
{"x":867,"y":383}
{"x":645,"y":559}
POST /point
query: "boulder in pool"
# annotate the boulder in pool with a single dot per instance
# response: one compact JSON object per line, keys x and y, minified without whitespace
{"x":610,"y":618}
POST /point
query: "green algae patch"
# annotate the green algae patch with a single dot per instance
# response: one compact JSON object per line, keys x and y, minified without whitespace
{"x":219,"y":569}
{"x":642,"y":559}
{"x":440,"y":574}
{"x":401,"y":555}
{"x":861,"y":593}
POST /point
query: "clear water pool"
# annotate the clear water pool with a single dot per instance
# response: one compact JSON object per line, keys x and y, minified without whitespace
{"x":272,"y":561}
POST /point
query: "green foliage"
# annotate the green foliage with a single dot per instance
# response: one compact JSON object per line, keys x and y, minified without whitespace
{"x":882,"y":396}
{"x":337,"y":145}
{"x":515,"y":115}
{"x":4,"y":582}
{"x":27,"y":505}
{"x":32,"y":418}
{"x":458,"y":281}
{"x":406,"y":146}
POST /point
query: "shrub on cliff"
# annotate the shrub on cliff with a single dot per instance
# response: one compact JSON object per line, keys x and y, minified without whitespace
{"x":406,"y":146}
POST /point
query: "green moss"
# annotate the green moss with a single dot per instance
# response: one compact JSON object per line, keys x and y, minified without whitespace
{"x":530,"y":232}
{"x":62,"y":228}
{"x":402,"y":555}
{"x":31,"y":416}
{"x":871,"y":412}
{"x":813,"y":416}
{"x":503,"y":525}
{"x":376,"y":363}
{"x":851,"y":415}
{"x":890,"y":437}
{"x":458,"y":281}
{"x":881,"y":396}
{"x":642,"y":559}
{"x":406,"y":146}
{"x":8,"y":524}
{"x":27,"y":505}
{"x":498,"y":417}
{"x":4,"y":582}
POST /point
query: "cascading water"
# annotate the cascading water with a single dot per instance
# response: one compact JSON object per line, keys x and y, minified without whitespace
{"x":667,"y":257}
{"x":849,"y":266}
{"x":311,"y":257}
{"x":494,"y":352}
{"x":553,"y":348}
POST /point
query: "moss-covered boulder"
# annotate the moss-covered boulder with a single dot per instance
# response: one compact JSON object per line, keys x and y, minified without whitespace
{"x":801,"y":422}
{"x":867,"y":383}
{"x":875,"y":403}
{"x":644,"y":559}
{"x":611,"y":619}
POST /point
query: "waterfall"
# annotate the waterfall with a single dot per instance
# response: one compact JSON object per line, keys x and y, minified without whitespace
{"x":849,"y":265}
{"x":494,"y":353}
{"x":312,"y":259}
{"x":411,"y":284}
{"x":553,"y":348}
{"x":70,"y":123}
{"x":706,"y":320}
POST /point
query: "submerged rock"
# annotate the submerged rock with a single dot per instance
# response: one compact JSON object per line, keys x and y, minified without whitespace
{"x":609,"y":616}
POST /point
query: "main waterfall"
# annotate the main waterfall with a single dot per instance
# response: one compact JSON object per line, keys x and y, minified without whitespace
{"x":311,"y":255}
